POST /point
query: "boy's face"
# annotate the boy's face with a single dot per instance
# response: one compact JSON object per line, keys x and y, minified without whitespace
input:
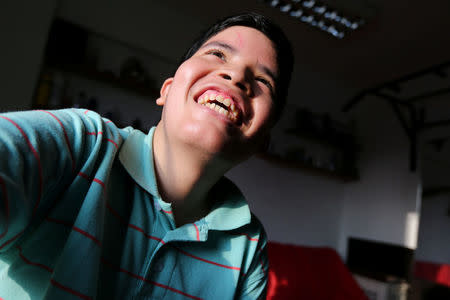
{"x":221,"y":99}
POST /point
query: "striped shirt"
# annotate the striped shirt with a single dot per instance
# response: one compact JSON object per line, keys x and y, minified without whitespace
{"x":81,"y":218}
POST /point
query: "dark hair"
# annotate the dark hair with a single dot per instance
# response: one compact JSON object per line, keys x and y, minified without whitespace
{"x":282,"y":46}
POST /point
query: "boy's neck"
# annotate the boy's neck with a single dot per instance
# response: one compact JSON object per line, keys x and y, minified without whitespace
{"x":185,"y":176}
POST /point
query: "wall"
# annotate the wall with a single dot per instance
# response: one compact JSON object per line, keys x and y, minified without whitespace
{"x":385,"y":205}
{"x":24,"y":26}
{"x":295,"y":207}
{"x":434,"y":242}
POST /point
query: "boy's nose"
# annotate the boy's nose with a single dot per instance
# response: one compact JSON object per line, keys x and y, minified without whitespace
{"x":238,"y":78}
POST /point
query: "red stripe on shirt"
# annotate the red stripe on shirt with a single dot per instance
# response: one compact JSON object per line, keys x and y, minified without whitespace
{"x":147,"y":235}
{"x":29,"y":262}
{"x":246,"y":235}
{"x":6,"y":206}
{"x":123,"y":221}
{"x":259,"y":250}
{"x":262,"y":267}
{"x":93,"y":238}
{"x":198,"y":232}
{"x":109,"y":140}
{"x":85,"y":176}
{"x":65,"y":137}
{"x":149,"y":281}
{"x":12,"y":239}
{"x":94,"y":133}
{"x":207,"y":261}
{"x":77,"y":229}
{"x":35,"y":154}
{"x":99,"y":182}
{"x":69,"y":290}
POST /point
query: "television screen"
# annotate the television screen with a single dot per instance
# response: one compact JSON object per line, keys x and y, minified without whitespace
{"x":379,"y":260}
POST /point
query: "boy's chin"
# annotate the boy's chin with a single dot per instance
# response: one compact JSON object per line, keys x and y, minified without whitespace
{"x":216,"y":140}
{"x":214,"y":144}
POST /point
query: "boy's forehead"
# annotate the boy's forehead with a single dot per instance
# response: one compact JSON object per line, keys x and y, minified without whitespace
{"x":240,"y":41}
{"x":238,"y":34}
{"x":239,"y":37}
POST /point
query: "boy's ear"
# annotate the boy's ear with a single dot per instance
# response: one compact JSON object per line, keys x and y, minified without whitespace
{"x":164,"y":91}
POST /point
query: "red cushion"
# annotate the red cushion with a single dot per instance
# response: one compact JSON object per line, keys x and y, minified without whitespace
{"x":439,"y":273}
{"x":309,"y":273}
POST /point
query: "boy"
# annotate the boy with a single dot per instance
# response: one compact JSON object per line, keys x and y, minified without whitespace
{"x":91,"y":211}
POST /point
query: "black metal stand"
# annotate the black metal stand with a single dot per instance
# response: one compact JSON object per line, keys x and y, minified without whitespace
{"x":416,"y":121}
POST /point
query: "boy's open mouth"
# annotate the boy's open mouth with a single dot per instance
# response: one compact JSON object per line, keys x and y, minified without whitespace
{"x":221,"y":103}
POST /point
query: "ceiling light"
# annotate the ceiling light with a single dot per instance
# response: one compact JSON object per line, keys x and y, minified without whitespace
{"x":346,"y":22}
{"x":274,"y":3}
{"x":332,"y":20}
{"x":308,"y":4}
{"x":307,"y":19}
{"x":320,"y":9}
{"x":321,"y":25}
{"x":296,"y":13}
{"x":354,"y":25}
{"x":286,"y":8}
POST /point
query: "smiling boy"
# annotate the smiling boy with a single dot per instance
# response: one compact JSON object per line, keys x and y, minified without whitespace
{"x":204,"y":137}
{"x":92,"y":211}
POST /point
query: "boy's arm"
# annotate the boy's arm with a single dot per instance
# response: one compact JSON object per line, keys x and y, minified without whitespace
{"x":40,"y":155}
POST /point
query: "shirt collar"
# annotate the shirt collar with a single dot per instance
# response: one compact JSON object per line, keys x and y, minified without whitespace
{"x":230,"y":210}
{"x":136,"y":155}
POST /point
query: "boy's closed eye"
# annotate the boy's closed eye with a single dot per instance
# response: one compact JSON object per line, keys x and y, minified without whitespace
{"x":217,"y":52}
{"x":265,"y":82}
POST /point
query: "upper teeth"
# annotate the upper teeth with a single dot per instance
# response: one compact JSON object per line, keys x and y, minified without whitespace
{"x":231,"y":113}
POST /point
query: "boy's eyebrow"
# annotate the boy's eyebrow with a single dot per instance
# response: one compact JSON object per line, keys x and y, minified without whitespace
{"x":220,"y":45}
{"x":230,"y":48}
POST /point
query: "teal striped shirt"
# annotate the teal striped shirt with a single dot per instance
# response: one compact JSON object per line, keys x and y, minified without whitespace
{"x":81,"y":218}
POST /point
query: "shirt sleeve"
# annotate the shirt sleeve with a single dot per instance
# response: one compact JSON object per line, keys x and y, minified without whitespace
{"x":255,"y":282}
{"x":41,"y":152}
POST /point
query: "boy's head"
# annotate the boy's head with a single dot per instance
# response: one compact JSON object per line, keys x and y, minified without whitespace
{"x":229,"y":90}
{"x":281,"y":44}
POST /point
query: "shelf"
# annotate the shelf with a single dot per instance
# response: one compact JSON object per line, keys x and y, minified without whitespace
{"x":346,"y":142}
{"x":108,"y":78}
{"x":313,"y":170}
